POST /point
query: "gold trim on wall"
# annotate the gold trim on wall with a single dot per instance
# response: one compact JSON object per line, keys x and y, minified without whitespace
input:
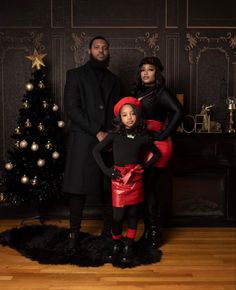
{"x":77,"y":47}
{"x":148,"y":43}
{"x":151,"y":40}
{"x":197,"y":44}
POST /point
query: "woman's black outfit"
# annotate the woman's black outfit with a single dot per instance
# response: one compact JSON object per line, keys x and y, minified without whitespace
{"x":158,"y":104}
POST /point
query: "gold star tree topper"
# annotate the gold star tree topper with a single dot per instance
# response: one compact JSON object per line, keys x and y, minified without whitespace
{"x":37,"y":59}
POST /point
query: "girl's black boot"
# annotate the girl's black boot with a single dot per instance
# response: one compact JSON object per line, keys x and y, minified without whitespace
{"x":116,"y":249}
{"x":127,"y":254}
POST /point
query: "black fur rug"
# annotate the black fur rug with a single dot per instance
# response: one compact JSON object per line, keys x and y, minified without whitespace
{"x":48,"y":244}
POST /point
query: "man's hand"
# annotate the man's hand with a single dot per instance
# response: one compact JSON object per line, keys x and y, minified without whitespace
{"x":101,"y":135}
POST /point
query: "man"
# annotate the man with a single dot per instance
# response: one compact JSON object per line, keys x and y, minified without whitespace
{"x":90,"y":94}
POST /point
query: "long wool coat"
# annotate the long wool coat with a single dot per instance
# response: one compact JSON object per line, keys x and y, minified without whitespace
{"x":88,"y":112}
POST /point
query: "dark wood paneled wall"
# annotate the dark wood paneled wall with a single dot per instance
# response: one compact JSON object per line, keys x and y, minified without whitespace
{"x":196,"y":41}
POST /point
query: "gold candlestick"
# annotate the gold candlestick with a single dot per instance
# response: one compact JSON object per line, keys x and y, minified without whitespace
{"x":231,"y":101}
{"x":180,"y":98}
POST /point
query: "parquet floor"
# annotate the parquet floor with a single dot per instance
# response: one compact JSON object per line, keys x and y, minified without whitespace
{"x":193,"y":259}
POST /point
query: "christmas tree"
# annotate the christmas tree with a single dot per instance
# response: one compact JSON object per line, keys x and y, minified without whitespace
{"x":34,"y":169}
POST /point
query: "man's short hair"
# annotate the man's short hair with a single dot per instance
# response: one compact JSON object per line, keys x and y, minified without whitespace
{"x":98,"y":37}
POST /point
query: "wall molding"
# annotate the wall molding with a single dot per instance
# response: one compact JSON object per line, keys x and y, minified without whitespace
{"x":196,"y":46}
{"x":107,"y":26}
{"x":172,"y":67}
{"x":147,"y":44}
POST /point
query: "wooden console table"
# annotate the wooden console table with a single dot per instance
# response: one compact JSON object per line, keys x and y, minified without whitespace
{"x":203,"y":170}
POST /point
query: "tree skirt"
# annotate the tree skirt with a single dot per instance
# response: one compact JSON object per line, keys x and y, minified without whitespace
{"x":48,"y":244}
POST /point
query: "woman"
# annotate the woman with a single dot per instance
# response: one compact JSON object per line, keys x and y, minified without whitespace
{"x":163,"y":114}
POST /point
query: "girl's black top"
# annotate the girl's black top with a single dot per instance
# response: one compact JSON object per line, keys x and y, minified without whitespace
{"x":126,"y":150}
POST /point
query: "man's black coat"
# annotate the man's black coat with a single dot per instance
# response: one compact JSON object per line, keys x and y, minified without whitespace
{"x":89,"y":111}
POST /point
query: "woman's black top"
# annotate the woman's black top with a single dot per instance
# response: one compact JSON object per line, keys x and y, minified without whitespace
{"x":126,"y":150}
{"x":160,"y":105}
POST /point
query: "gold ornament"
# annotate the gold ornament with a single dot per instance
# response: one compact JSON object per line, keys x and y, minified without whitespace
{"x":40,"y":127}
{"x":27,"y":123}
{"x":26,"y":104}
{"x":17,"y":130}
{"x":23,"y":144}
{"x":37,"y":59}
{"x":29,"y":87}
{"x":24,"y":179}
{"x":2,"y":198}
{"x":48,"y":145}
{"x":34,"y":181}
{"x":45,"y":105}
{"x":41,"y":162}
{"x":55,"y":155}
{"x":8,"y":166}
{"x":41,"y":85}
{"x":34,"y":146}
{"x":55,"y":107}
{"x":61,"y":124}
{"x":17,"y":144}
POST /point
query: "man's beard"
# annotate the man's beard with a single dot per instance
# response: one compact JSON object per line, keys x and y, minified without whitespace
{"x":102,"y":64}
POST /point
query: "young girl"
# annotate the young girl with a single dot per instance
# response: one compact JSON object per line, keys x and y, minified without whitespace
{"x":128,"y":139}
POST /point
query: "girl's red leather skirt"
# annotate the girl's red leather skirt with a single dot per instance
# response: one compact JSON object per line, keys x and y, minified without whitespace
{"x":165,"y":146}
{"x":127,"y":189}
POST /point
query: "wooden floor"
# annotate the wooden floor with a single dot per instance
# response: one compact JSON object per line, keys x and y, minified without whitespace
{"x":193,"y":258}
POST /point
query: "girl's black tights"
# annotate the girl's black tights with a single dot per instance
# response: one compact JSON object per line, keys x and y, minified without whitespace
{"x":132,"y":213}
